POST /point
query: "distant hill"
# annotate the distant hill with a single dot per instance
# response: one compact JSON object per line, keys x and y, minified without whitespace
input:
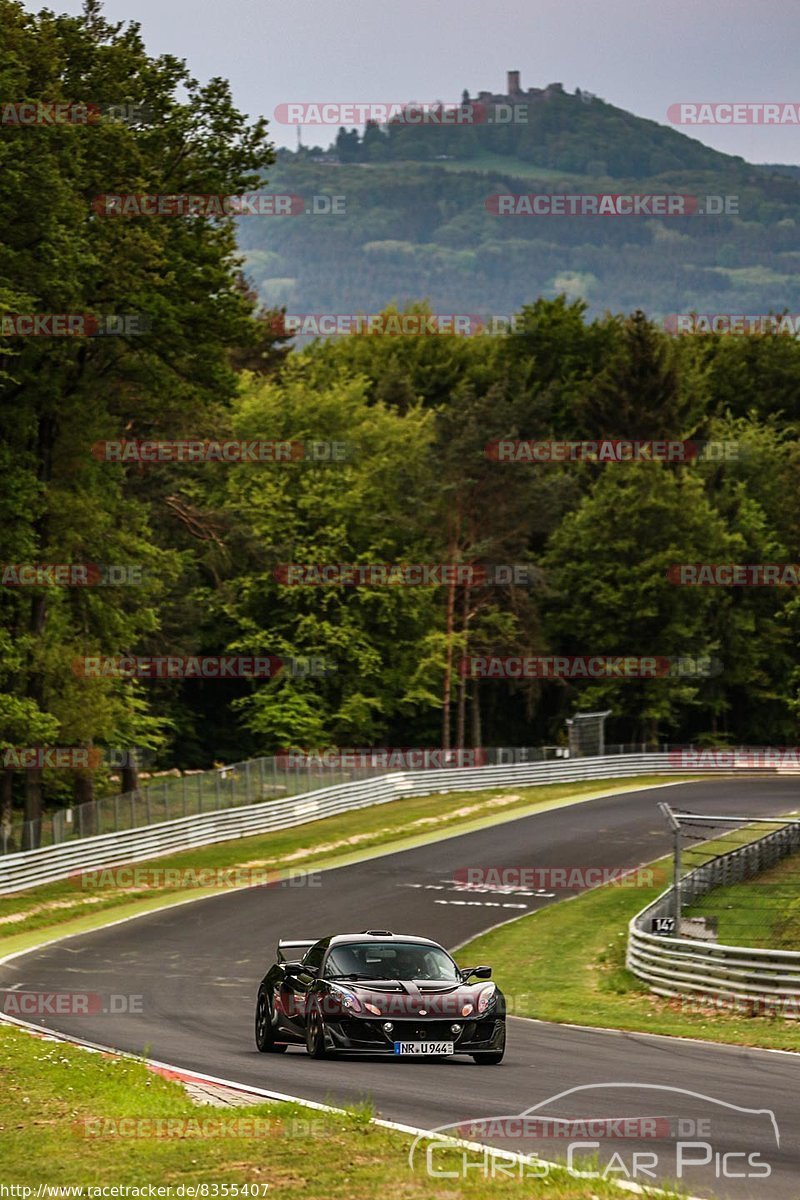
{"x":544,"y":127}
{"x":418,"y":222}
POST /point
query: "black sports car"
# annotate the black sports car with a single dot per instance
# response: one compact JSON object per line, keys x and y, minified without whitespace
{"x":378,"y":993}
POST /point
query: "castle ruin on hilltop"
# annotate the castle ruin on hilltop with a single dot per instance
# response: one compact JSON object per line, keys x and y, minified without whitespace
{"x":514,"y":93}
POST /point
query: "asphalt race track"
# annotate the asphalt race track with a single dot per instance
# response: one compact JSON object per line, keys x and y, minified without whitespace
{"x":197,"y":968}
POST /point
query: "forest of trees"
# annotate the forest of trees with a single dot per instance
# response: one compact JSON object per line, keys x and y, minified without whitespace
{"x":416,"y":414}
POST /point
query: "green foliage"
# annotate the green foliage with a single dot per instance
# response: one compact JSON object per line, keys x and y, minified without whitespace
{"x":364,"y":510}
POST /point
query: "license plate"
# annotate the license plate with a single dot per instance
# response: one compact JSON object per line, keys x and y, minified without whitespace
{"x":423,"y":1047}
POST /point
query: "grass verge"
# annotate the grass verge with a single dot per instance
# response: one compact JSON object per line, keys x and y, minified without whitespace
{"x":566,"y":964}
{"x":68,"y":907}
{"x":60,"y":1108}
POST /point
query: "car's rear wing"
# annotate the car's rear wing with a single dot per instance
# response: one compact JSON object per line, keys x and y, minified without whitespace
{"x":291,"y":950}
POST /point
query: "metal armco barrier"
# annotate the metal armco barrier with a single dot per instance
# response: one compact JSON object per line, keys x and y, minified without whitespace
{"x":742,"y":977}
{"x":31,"y":867}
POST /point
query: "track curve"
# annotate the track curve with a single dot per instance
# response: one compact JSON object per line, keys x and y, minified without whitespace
{"x":197,"y":967}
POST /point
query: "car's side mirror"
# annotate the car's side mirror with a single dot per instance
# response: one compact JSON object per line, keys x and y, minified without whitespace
{"x":478,"y":972}
{"x":298,"y":970}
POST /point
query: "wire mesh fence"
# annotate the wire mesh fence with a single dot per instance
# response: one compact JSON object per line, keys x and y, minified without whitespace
{"x":166,"y":798}
{"x":251,"y":782}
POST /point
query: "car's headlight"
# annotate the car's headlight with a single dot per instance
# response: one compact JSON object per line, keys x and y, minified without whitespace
{"x":486,"y":997}
{"x":346,"y":998}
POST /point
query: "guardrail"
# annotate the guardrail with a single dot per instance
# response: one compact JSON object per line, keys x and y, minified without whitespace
{"x":753,"y":980}
{"x":50,"y":863}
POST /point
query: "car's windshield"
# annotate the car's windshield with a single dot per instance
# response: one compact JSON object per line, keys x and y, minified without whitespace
{"x":389,"y":960}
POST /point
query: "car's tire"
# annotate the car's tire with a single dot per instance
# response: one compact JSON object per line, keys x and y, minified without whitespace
{"x":490,"y":1058}
{"x":315,"y":1034}
{"x":265,"y":1034}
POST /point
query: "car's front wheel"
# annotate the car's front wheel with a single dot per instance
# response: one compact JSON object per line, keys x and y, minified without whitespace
{"x":315,"y":1034}
{"x":491,"y":1057}
{"x":265,"y":1032}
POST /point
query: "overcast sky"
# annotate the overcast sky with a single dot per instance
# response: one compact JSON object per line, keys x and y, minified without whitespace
{"x":637,"y":54}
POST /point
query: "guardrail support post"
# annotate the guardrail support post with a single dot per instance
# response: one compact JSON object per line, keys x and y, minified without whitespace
{"x":675,"y":826}
{"x":676,"y":885}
